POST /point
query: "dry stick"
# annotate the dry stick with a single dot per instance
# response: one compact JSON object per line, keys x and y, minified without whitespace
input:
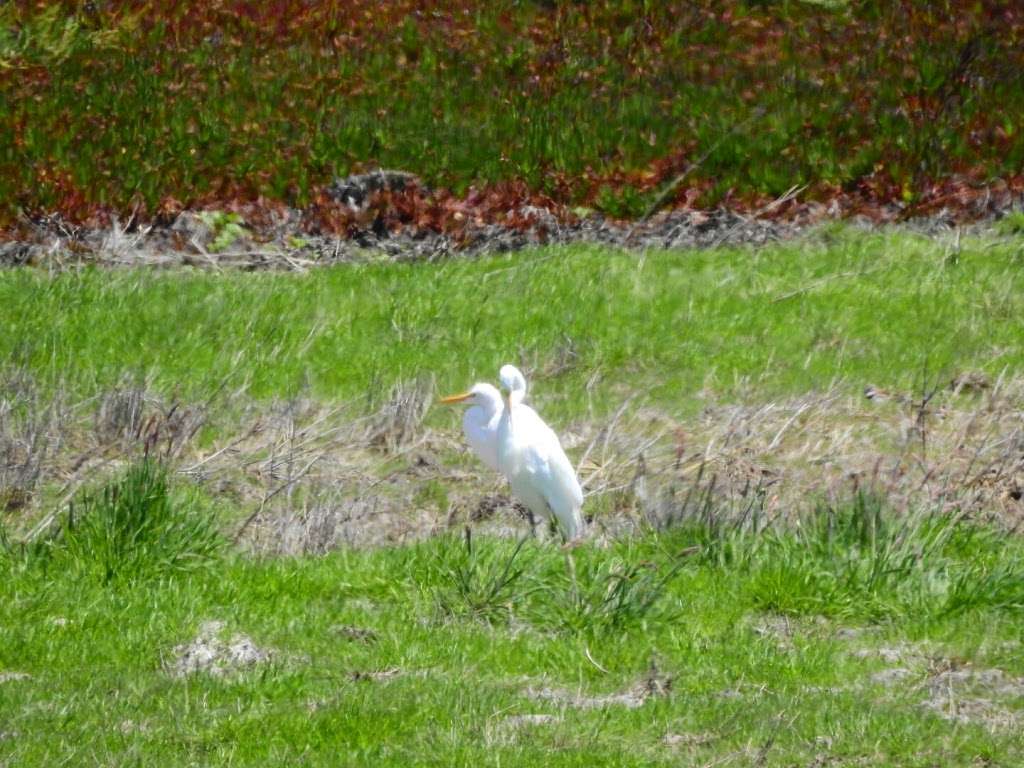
{"x":786,"y":196}
{"x":611,"y":428}
{"x":982,"y":447}
{"x":825,"y":280}
{"x":586,"y":651}
{"x":296,"y":450}
{"x":199,"y":464}
{"x":668,"y":190}
{"x":610,"y":466}
{"x":789,"y":422}
{"x":205,"y":254}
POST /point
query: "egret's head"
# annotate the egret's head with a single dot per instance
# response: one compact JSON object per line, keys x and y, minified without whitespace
{"x":514,"y":383}
{"x":482,"y":394}
{"x":512,"y":379}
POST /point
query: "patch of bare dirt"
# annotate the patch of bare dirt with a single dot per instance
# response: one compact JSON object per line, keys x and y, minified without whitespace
{"x":213,"y":653}
{"x":375,"y":675}
{"x":510,"y":728}
{"x":631,"y":699}
{"x":952,"y":688}
{"x":357,"y":634}
{"x":783,"y":630}
{"x":903,"y":653}
{"x":892,"y":676}
{"x":654,"y":684}
{"x":966,"y":694}
{"x":519,"y":721}
{"x":687,"y":740}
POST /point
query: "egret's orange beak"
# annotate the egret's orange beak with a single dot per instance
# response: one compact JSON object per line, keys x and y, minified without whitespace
{"x":452,"y":399}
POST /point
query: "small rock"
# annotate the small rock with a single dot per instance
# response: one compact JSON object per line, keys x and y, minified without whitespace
{"x":356,"y":189}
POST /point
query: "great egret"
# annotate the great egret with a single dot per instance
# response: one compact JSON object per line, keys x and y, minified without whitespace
{"x":531,"y":457}
{"x":480,"y":422}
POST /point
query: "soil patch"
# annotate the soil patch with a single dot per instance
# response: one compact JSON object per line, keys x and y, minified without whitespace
{"x":211,"y":652}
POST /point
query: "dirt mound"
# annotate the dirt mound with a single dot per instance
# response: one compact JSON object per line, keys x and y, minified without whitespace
{"x":212,"y":653}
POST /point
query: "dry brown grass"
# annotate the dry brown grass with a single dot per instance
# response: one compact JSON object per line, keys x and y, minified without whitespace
{"x":959,"y":449}
{"x":306,"y":478}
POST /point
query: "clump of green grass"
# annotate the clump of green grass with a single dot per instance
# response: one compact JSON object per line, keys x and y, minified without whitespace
{"x":484,"y":583}
{"x":1011,"y":224}
{"x":134,"y":528}
{"x":579,"y":593}
{"x":862,"y":559}
{"x":225,"y":228}
{"x":600,"y":593}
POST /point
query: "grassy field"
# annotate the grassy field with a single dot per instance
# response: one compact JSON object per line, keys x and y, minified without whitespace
{"x":597,"y":103}
{"x":862,"y":639}
{"x":591,"y":325}
{"x":878,"y":631}
{"x":234,"y":529}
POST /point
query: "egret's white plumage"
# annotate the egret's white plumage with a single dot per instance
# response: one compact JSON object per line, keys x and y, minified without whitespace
{"x":480,"y":421}
{"x":531,"y":457}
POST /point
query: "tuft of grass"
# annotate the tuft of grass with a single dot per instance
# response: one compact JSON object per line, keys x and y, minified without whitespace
{"x":861,"y":559}
{"x":134,"y":528}
{"x":597,"y":595}
{"x":225,"y":228}
{"x":1011,"y":224}
{"x":484,"y":583}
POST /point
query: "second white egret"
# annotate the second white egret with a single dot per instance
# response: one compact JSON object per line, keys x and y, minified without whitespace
{"x":531,"y":457}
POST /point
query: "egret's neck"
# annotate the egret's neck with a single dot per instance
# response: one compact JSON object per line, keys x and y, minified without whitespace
{"x":515,"y":397}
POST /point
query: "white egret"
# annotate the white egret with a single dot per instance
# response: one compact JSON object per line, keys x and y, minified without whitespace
{"x":480,"y":421}
{"x":531,"y":457}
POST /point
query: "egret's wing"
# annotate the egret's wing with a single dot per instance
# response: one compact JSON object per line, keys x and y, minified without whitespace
{"x":552,"y":473}
{"x":564,"y":476}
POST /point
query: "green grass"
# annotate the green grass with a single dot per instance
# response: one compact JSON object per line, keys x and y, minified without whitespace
{"x":773,"y":638}
{"x":888,"y":309}
{"x":132,"y":529}
{"x":373,"y":664}
{"x":593,"y":102}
